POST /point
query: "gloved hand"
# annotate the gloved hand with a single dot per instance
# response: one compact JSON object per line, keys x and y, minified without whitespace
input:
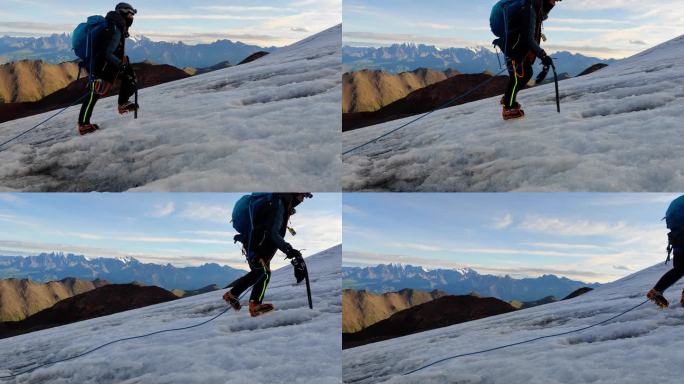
{"x":546,"y":60}
{"x":299,"y":272}
{"x":293,"y":254}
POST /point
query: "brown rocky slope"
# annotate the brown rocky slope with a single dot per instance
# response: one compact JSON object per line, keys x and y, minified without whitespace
{"x":441,"y":312}
{"x":102,"y":301}
{"x":370,"y":90}
{"x":361,"y":309}
{"x":21,"y":298}
{"x":31,"y":80}
{"x":148,"y":75}
{"x":429,"y":98}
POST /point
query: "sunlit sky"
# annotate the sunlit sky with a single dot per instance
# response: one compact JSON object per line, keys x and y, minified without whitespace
{"x":606,"y":29}
{"x":593,"y":237}
{"x":178,"y":228}
{"x":260,"y":22}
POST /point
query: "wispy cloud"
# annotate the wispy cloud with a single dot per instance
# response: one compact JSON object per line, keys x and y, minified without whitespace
{"x":417,"y":247}
{"x":10,"y":198}
{"x":503,"y":222}
{"x":351,"y":210}
{"x":565,"y":227}
{"x":207,"y":212}
{"x":163,"y":209}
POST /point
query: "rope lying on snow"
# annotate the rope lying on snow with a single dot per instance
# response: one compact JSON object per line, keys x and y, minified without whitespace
{"x":126,"y":339}
{"x":41,"y":123}
{"x":446,"y":104}
{"x":526,"y":341}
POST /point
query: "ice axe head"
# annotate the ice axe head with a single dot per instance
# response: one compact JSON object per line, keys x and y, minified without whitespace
{"x":542,"y":75}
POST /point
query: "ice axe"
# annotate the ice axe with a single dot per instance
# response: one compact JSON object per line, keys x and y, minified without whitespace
{"x":299,"y":264}
{"x":542,"y":76}
{"x":555,"y":80}
{"x":308,"y":285}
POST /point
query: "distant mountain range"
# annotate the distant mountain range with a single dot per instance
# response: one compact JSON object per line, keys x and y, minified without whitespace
{"x":407,"y":57}
{"x":57,"y":49}
{"x":55,"y":266}
{"x":394,"y":277}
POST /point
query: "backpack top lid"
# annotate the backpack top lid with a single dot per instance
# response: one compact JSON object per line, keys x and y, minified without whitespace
{"x":85,"y":34}
{"x":247,"y":211}
{"x":674,"y":217}
{"x":502,"y":11}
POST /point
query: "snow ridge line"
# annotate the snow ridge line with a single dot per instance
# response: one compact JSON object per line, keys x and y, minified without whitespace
{"x":43,"y":122}
{"x":526,"y":341}
{"x":446,"y":104}
{"x":129,"y":338}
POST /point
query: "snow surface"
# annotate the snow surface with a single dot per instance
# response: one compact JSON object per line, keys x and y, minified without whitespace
{"x":294,"y":344}
{"x":620,"y":130}
{"x":270,"y":125}
{"x":642,"y":346}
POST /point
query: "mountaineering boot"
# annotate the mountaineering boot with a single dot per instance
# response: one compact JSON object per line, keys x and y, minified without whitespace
{"x":503,"y":102}
{"x":259,"y":309}
{"x":128,"y":107}
{"x":514,"y":112}
{"x":232,"y":300}
{"x":84,"y":129}
{"x":657,"y":297}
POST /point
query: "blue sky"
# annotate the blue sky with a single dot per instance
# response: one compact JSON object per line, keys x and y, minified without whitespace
{"x":178,"y":228}
{"x":607,"y":29}
{"x":595,"y":237}
{"x":260,"y":22}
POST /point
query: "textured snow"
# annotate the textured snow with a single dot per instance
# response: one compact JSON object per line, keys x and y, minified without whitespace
{"x":273,"y":124}
{"x":620,"y":130}
{"x":294,"y":344}
{"x":642,"y":346}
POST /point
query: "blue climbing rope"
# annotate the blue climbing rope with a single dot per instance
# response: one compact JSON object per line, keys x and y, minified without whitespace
{"x":446,"y":104}
{"x":126,"y":339}
{"x":44,"y":121}
{"x":526,"y":341}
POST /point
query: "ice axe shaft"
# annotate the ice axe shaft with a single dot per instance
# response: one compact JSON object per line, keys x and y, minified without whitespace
{"x":555,"y":80}
{"x":135,"y":113}
{"x":308,"y":286}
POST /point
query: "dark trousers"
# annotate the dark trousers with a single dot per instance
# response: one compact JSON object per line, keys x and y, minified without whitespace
{"x":674,"y":274}
{"x":519,"y":74}
{"x":96,"y":89}
{"x":259,"y":276}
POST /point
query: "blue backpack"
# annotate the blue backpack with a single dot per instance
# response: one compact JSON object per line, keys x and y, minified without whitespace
{"x":674,"y":217}
{"x":250,"y":215}
{"x":501,"y":15}
{"x":84,"y":38}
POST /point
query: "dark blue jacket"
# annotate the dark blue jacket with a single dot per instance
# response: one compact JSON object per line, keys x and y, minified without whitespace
{"x":110,"y":47}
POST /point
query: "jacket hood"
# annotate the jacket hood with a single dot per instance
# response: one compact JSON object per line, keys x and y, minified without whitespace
{"x":116,"y":18}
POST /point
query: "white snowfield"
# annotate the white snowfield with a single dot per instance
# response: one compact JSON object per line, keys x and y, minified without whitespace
{"x":294,"y":344}
{"x":270,"y":125}
{"x":642,"y":346}
{"x":620,"y":129}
